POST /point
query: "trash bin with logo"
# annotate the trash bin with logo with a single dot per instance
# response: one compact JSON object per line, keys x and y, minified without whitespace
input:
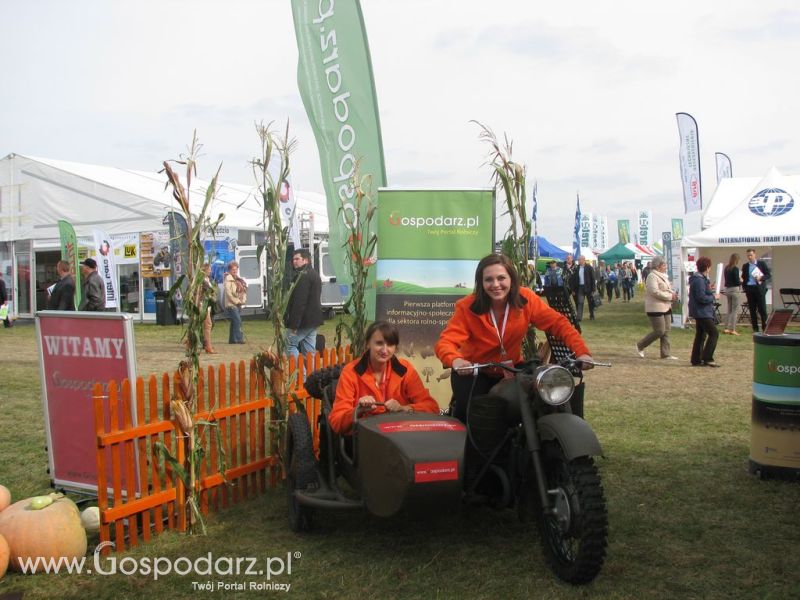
{"x":775,"y":440}
{"x":166,"y":313}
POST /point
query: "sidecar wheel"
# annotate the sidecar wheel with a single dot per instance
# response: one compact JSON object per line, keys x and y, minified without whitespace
{"x":301,"y":470}
{"x":575,"y":536}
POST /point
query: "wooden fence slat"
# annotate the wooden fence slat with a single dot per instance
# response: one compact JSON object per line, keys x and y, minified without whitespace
{"x":130,"y":463}
{"x":167,"y":441}
{"x":212,"y":446}
{"x":223,"y":430}
{"x":252,"y":382}
{"x":155,"y":476}
{"x":141,"y":446}
{"x":203,"y":438}
{"x":116,"y":465}
{"x":102,"y":484}
{"x":180,"y":456}
{"x":242,"y":399}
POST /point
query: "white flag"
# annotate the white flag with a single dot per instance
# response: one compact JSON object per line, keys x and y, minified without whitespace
{"x":690,"y":163}
{"x":106,"y":266}
{"x":724,"y":168}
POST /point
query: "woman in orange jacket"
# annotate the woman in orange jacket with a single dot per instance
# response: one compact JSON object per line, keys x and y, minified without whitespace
{"x":379,"y":376}
{"x":489,"y":326}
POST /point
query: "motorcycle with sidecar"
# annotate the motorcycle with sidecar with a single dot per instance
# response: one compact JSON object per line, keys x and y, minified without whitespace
{"x":521,"y":447}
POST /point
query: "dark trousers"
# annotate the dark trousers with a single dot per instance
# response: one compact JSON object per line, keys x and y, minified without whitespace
{"x":580,"y":296}
{"x":756,"y":301}
{"x":705,"y":341}
{"x":610,"y":285}
{"x":462,"y":386}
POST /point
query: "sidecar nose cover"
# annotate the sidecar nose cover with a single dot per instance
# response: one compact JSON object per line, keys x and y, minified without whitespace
{"x":413,"y":462}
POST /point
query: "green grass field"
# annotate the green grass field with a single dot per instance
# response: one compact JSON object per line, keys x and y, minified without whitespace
{"x":686,"y":518}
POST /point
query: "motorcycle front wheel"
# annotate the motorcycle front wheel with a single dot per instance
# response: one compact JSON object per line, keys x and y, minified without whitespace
{"x":574,"y":533}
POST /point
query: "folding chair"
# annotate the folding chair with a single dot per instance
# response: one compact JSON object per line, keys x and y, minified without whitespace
{"x":790,"y":297}
{"x":744,"y":313}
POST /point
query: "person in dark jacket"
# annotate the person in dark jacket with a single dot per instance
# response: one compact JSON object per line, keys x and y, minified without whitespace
{"x":63,"y":294}
{"x":701,"y":309}
{"x":755,"y":275}
{"x":304,"y":310}
{"x":93,"y":291}
{"x":3,"y":300}
{"x":582,"y":285}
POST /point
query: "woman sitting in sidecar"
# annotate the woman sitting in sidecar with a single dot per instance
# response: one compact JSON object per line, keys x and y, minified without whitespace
{"x":379,"y":381}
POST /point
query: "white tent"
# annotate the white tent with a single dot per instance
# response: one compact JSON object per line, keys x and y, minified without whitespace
{"x":37,"y":192}
{"x":763,"y":214}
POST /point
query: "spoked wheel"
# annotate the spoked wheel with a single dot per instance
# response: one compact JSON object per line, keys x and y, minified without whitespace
{"x":301,"y":470}
{"x":574,"y":535}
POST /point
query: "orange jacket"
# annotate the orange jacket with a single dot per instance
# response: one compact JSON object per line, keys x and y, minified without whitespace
{"x":357,"y":381}
{"x":474,"y":337}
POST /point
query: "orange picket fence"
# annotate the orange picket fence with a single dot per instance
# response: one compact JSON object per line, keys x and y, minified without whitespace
{"x":139,"y":493}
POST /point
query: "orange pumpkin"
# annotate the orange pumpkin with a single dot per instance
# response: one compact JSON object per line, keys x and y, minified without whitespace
{"x":53,"y":532}
{"x":5,"y":497}
{"x":4,"y":553}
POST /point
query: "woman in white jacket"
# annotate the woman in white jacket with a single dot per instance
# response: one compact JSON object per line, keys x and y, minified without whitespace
{"x":658,"y":300}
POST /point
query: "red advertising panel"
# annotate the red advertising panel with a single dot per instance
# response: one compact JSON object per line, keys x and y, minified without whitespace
{"x":406,"y":426}
{"x":76,"y":350}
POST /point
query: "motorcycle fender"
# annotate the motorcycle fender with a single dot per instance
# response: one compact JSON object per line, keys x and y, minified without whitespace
{"x":574,"y":435}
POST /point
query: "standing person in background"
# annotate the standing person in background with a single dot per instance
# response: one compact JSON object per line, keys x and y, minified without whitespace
{"x":93,"y":290}
{"x":658,"y":300}
{"x":600,"y":277}
{"x":701,"y":309}
{"x":209,"y":292}
{"x":611,"y":281}
{"x":755,"y":275}
{"x":553,"y":276}
{"x":618,"y":269}
{"x":582,"y":285}
{"x":304,"y":310}
{"x":732,"y":292}
{"x":3,"y":300}
{"x":626,"y":275}
{"x":63,"y":294}
{"x":646,"y":272}
{"x":568,"y":269}
{"x":235,"y":296}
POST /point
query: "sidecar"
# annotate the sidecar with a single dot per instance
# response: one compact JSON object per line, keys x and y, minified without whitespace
{"x":392,"y":462}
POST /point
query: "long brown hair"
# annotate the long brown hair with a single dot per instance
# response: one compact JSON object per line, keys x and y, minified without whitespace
{"x":732,"y":262}
{"x":483,"y":302}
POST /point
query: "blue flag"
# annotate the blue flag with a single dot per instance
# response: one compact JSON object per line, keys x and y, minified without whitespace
{"x":576,"y":237}
{"x":533,"y":211}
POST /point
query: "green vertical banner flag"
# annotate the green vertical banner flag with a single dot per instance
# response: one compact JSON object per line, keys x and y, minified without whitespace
{"x":69,"y":253}
{"x":624,"y":231}
{"x":677,"y":229}
{"x":334,"y":75}
{"x":429,"y":244}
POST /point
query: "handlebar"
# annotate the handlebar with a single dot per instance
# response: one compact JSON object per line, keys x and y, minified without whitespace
{"x":568,"y":363}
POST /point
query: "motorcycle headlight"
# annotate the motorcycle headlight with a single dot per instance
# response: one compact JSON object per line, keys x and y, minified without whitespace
{"x":555,"y":385}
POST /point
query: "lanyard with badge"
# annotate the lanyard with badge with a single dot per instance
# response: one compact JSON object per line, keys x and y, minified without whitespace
{"x":500,"y":335}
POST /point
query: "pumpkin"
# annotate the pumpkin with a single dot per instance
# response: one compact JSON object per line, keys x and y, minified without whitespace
{"x":4,"y":553}
{"x":52,"y":532}
{"x":91,"y":518}
{"x":5,"y":497}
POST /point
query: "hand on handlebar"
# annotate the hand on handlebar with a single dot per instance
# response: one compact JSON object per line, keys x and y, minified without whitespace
{"x":461,"y":366}
{"x":585,"y":361}
{"x":367,"y":402}
{"x":394,"y":406}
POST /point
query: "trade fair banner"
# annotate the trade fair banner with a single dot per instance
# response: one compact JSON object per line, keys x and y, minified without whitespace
{"x":334,"y":74}
{"x":106,"y":265}
{"x":624,"y":231}
{"x":69,"y":253}
{"x":672,"y":254}
{"x":677,"y":229}
{"x":587,"y":221}
{"x":77,"y":350}
{"x":576,"y":238}
{"x":429,"y":244}
{"x":689,"y":157}
{"x":724,"y":167}
{"x":645,"y":220}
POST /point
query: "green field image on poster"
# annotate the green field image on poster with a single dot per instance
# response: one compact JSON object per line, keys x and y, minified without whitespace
{"x":414,"y":277}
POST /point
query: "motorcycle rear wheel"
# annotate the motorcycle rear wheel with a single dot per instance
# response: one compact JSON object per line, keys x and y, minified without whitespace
{"x":575,"y":535}
{"x":301,"y":470}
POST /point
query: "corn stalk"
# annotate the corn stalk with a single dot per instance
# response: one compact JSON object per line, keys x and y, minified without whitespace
{"x":197,"y":301}
{"x":360,"y":246}
{"x":271,"y":170}
{"x":510,"y":176}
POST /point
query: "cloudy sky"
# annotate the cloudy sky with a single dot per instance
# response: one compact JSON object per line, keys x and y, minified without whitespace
{"x":587,"y":90}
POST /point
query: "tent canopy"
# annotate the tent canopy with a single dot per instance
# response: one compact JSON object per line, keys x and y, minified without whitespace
{"x":545,"y":248}
{"x":618,"y":252}
{"x":118,"y":200}
{"x":766,"y":215}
